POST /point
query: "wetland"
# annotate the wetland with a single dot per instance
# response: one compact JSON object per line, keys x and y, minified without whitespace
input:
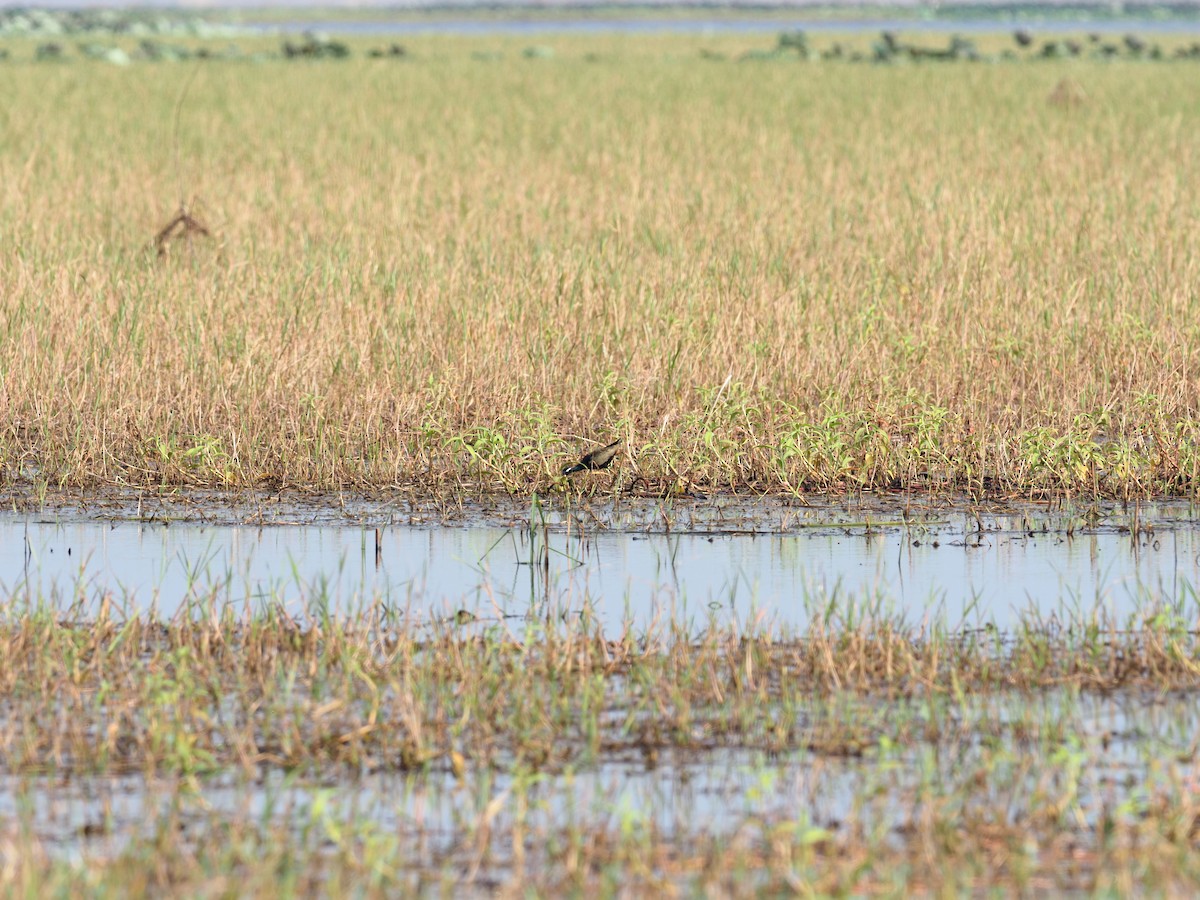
{"x":744,"y":695}
{"x":889,"y":590}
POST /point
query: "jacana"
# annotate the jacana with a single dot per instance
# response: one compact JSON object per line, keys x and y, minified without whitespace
{"x":597,"y":459}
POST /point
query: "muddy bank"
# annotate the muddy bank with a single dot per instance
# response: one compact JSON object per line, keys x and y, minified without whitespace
{"x":717,"y":513}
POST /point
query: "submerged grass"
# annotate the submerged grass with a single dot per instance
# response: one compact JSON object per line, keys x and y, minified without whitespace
{"x":452,"y":274}
{"x":191,"y":755}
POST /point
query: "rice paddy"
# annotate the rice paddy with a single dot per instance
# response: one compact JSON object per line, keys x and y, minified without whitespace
{"x":904,"y":316}
{"x":192,"y":755}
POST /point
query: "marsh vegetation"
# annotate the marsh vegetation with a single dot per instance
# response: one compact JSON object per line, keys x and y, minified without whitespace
{"x":452,"y":274}
{"x":361,"y":754}
{"x":220,"y":729}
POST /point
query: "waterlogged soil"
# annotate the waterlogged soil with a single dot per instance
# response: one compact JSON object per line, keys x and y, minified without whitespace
{"x":1069,"y":785}
{"x":1003,"y":759}
{"x":624,"y":562}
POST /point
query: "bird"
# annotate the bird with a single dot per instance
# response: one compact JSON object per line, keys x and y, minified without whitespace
{"x":597,"y":459}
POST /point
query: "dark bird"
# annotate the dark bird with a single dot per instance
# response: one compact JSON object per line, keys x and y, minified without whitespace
{"x":597,"y":459}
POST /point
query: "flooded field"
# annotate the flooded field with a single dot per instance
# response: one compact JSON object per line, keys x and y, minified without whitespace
{"x":720,"y":694}
{"x":916,"y":762}
{"x":381,"y":298}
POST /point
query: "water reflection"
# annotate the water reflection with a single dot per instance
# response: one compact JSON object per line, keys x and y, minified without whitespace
{"x":943,"y":571}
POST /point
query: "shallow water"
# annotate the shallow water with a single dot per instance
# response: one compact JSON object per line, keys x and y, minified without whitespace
{"x":717,"y":26}
{"x":684,"y":795}
{"x":945,"y":566}
{"x":725,"y":557}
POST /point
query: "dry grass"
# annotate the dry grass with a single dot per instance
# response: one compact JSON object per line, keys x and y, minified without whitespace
{"x":448,"y":274}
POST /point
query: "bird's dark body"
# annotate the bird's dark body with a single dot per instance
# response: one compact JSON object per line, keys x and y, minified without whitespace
{"x":597,"y":459}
